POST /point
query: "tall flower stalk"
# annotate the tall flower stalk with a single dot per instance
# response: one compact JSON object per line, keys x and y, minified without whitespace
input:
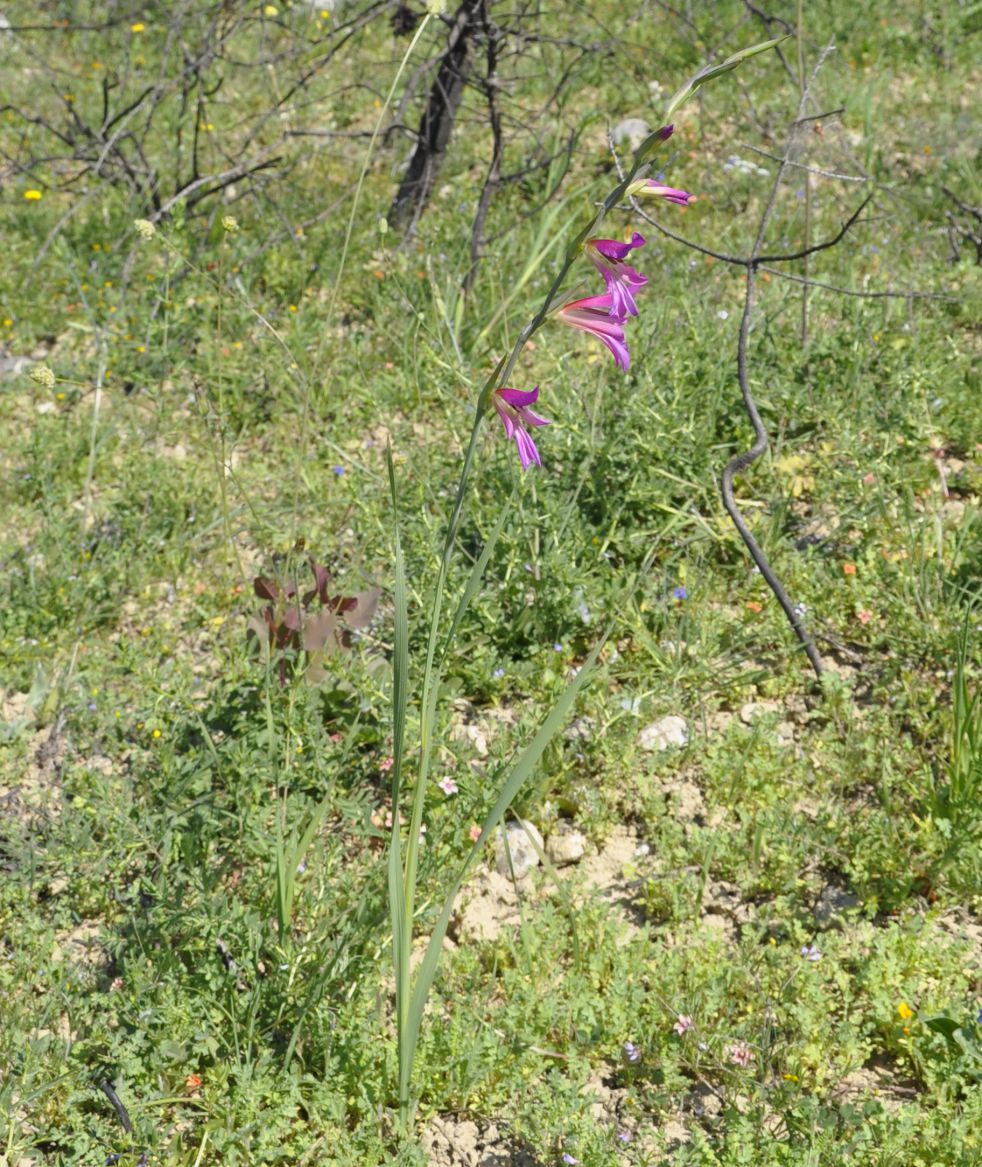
{"x":604,"y":316}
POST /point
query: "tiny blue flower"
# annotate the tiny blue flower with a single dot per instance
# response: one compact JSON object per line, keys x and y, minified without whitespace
{"x":631,"y":1052}
{"x":979,"y":1018}
{"x":499,"y":672}
{"x":339,"y":470}
{"x":680,"y":593}
{"x":568,"y":1158}
{"x":558,"y":647}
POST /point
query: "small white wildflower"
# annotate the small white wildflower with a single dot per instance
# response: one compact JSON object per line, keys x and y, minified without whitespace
{"x":144,"y":228}
{"x":230,"y":224}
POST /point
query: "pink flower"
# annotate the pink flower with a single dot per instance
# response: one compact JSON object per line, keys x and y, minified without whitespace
{"x":513,"y":409}
{"x":595,"y":314}
{"x":740,"y":1054}
{"x":684,"y":1024}
{"x":448,"y":786}
{"x":474,"y":832}
{"x":608,"y":256}
{"x":864,"y":615}
{"x":650,"y":188}
{"x":386,"y":764}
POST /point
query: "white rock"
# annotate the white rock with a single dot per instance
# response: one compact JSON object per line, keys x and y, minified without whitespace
{"x":664,"y":733}
{"x":566,"y":848}
{"x":520,"y":856}
{"x":632,"y":131}
{"x":754,"y":710}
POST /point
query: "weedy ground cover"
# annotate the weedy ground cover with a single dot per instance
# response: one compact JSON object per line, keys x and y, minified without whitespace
{"x":769,"y":950}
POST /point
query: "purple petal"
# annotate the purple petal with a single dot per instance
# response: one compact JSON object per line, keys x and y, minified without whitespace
{"x":519,"y":397}
{"x":527,"y":449}
{"x":615,"y":248}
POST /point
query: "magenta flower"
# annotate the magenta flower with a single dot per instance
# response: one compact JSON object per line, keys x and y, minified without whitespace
{"x":595,"y":314}
{"x":650,"y":188}
{"x":608,"y":256}
{"x":513,"y":409}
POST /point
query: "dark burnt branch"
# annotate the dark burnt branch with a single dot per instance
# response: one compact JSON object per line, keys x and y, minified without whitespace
{"x":493,"y":177}
{"x":436,"y":124}
{"x":960,"y":232}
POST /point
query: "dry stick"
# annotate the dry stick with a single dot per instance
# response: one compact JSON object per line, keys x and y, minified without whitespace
{"x":741,"y":461}
{"x":752,"y":264}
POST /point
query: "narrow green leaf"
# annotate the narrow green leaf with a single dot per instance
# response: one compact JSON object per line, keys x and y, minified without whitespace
{"x":520,"y":773}
{"x":477,"y":574}
{"x":399,"y":916}
{"x":707,"y":73}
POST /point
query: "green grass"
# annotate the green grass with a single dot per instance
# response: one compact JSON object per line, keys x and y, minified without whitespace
{"x":151,"y":760}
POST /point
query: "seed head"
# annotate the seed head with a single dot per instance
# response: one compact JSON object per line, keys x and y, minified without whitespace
{"x":43,"y":376}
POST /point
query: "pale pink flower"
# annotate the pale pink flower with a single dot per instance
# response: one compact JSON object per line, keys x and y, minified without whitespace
{"x":740,"y":1054}
{"x":474,"y":832}
{"x":684,"y":1024}
{"x":650,"y":188}
{"x":448,"y":786}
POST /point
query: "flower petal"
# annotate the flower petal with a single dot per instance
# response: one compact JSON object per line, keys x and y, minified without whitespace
{"x":519,"y":397}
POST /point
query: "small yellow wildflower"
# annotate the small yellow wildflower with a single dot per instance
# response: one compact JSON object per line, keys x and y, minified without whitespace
{"x":230,"y":224}
{"x":144,"y":228}
{"x":43,"y":376}
{"x":905,"y":1011}
{"x":32,"y":195}
{"x":156,"y":733}
{"x":139,"y":26}
{"x":271,"y":10}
